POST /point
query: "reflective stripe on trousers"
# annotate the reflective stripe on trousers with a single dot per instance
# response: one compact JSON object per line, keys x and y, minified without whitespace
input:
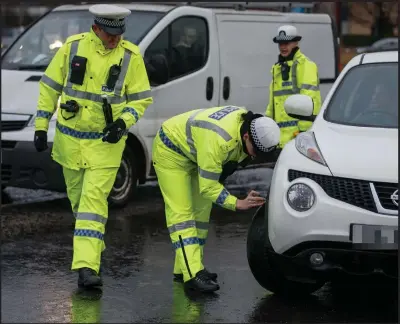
{"x":87,"y":190}
{"x":187,"y":224}
{"x":187,"y":211}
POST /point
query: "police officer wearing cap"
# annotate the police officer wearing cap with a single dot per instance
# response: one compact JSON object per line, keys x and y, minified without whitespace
{"x":293,"y":73}
{"x":103,"y":88}
{"x":190,"y":153}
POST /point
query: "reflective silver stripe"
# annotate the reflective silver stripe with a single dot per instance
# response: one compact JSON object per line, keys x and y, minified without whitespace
{"x":91,"y":96}
{"x":187,"y":224}
{"x":138,"y":95}
{"x":51,"y":83}
{"x":73,"y":51}
{"x":91,"y":217}
{"x":286,"y":92}
{"x":294,"y":77}
{"x":124,"y":70}
{"x":189,"y":137}
{"x":295,"y":89}
{"x":205,"y":125}
{"x":210,"y":126}
{"x":309,"y":87}
{"x":208,"y":174}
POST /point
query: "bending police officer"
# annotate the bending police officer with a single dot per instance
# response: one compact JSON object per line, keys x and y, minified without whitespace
{"x":293,"y":73}
{"x":189,"y":154}
{"x":103,"y":88}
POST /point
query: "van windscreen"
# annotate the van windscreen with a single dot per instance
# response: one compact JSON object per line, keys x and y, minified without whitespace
{"x":37,"y":46}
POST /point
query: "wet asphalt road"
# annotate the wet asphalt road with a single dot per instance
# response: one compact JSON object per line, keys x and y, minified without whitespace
{"x":37,"y":285}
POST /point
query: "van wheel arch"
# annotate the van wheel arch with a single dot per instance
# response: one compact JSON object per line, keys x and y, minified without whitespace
{"x":131,"y":173}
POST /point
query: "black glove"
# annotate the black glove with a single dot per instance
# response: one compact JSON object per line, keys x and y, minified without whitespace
{"x":114,"y":131}
{"x":41,"y":141}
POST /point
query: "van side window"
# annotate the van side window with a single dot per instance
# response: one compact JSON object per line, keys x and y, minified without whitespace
{"x":180,"y":49}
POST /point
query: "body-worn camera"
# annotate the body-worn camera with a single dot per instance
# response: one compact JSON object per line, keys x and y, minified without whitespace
{"x":78,"y":69}
{"x":70,"y":106}
{"x":285,"y":69}
{"x":113,"y":75}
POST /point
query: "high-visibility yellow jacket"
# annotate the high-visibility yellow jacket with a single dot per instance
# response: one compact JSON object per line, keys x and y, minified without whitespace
{"x":210,"y":138}
{"x":78,"y":141}
{"x":303,"y":79}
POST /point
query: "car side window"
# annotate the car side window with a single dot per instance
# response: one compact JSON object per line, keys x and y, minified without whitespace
{"x":180,"y":49}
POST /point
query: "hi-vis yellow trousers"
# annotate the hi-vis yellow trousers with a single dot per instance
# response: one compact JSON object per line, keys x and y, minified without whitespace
{"x":187,"y":212}
{"x":88,"y":190}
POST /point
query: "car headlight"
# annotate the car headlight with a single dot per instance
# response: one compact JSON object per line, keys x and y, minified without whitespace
{"x":300,"y":197}
{"x":307,"y":145}
{"x":32,"y":121}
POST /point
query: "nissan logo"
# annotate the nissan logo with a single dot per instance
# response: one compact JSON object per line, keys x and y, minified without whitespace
{"x":395,"y":198}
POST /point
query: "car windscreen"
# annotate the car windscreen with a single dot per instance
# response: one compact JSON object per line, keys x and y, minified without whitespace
{"x":366,"y":97}
{"x":35,"y":49}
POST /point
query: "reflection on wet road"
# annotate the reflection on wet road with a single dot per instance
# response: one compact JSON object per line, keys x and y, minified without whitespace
{"x":37,"y":285}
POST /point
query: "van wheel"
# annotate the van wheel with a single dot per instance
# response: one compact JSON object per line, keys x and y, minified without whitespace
{"x":268,"y":274}
{"x":126,"y":181}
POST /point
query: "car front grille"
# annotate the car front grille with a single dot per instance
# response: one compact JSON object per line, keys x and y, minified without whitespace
{"x":352,"y":191}
{"x":5,"y":173}
{"x":13,"y":125}
{"x":8,"y":144}
{"x":385,"y":190}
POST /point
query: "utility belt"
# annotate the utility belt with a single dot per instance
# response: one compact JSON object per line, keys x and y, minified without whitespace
{"x":77,"y":76}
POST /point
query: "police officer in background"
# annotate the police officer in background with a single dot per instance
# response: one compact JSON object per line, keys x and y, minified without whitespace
{"x":103,"y":88}
{"x":294,"y":73}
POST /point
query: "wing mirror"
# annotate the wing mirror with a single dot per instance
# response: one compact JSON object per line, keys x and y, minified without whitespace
{"x":300,"y":106}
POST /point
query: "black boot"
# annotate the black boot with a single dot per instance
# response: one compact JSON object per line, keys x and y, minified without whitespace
{"x":88,"y":278}
{"x":202,"y":283}
{"x":178,"y":277}
{"x":212,"y":275}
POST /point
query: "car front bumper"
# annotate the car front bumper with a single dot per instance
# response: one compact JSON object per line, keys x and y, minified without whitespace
{"x":23,"y":167}
{"x":329,"y":220}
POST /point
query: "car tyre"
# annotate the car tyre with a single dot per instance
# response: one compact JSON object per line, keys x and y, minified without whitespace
{"x":264,"y":270}
{"x":126,"y":181}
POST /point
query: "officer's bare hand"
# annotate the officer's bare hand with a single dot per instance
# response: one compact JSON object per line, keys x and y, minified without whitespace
{"x":252,"y":200}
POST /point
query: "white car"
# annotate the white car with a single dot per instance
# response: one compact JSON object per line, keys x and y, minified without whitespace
{"x":332,"y":207}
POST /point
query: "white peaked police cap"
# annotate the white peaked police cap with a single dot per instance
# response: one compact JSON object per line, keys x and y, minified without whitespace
{"x":287,"y":33}
{"x":265,"y":133}
{"x":111,"y":18}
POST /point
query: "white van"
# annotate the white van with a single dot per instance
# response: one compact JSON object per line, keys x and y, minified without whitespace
{"x":232,"y":54}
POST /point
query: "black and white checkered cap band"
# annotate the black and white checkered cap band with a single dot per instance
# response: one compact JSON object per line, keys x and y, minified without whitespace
{"x":113,"y":23}
{"x":285,"y":38}
{"x":256,"y":140}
